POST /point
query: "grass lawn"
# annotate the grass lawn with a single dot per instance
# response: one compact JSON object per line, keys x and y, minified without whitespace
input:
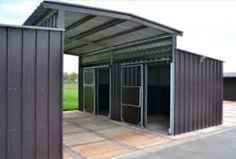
{"x":70,"y":97}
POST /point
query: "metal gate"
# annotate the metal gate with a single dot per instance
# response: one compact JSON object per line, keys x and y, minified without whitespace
{"x":89,"y":88}
{"x":132,"y":94}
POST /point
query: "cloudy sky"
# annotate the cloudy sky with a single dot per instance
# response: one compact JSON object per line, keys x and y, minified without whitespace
{"x":209,"y":26}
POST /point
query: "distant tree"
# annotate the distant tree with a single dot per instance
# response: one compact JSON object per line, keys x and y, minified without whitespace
{"x":73,"y":77}
{"x":66,"y":77}
{"x":70,"y":78}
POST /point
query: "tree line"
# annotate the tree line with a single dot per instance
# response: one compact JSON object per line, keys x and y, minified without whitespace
{"x":70,"y":77}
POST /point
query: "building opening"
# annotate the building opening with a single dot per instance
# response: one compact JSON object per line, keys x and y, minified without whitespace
{"x":103,"y":91}
{"x":70,"y":83}
{"x":158,"y":97}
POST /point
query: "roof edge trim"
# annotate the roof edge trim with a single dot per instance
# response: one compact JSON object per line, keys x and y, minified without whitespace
{"x":102,"y":12}
{"x":31,"y":27}
{"x":177,"y":49}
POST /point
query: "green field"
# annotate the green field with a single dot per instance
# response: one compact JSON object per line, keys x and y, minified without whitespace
{"x":70,"y":97}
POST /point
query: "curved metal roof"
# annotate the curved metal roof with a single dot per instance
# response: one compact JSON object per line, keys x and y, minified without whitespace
{"x":89,"y":30}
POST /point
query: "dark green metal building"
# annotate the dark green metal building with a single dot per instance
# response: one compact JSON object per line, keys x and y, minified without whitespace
{"x":130,"y":70}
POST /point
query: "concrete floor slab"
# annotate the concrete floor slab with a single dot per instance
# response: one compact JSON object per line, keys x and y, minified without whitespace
{"x":66,"y":155}
{"x":101,"y":149}
{"x":81,"y":138}
{"x":89,"y":136}
{"x":218,"y":146}
{"x":68,"y":129}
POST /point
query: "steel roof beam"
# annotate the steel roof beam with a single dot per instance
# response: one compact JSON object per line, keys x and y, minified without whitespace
{"x":90,"y":43}
{"x":95,"y":29}
{"x":79,"y":22}
{"x":110,"y":37}
{"x":121,"y":33}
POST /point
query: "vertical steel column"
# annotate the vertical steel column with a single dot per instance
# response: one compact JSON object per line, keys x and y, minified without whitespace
{"x":142,"y":95}
{"x":62,"y":90}
{"x":110,"y":86}
{"x":121,"y":99}
{"x":145,"y":94}
{"x":172,"y":88}
{"x":80,"y":92}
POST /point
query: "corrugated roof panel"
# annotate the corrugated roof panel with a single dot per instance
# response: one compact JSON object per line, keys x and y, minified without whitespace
{"x":133,"y":36}
{"x":89,"y":29}
{"x":72,"y":17}
{"x":91,"y":48}
{"x":140,"y":34}
{"x":69,"y":7}
{"x":111,"y":31}
{"x":86,"y":26}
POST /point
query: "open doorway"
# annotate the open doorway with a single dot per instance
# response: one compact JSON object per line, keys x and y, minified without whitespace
{"x":103,"y":91}
{"x":158,"y":97}
{"x":70,"y":83}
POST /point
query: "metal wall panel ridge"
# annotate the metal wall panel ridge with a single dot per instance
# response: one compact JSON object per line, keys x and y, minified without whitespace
{"x":198,"y":92}
{"x":55,"y":87}
{"x":42,"y":94}
{"x":30,"y":93}
{"x":14,"y":94}
{"x":28,"y":86}
{"x":3,"y":92}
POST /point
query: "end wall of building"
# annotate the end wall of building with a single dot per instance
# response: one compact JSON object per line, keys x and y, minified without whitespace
{"x":198,"y":92}
{"x":30,"y":93}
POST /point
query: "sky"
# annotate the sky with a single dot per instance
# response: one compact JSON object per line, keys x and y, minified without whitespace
{"x":209,"y":26}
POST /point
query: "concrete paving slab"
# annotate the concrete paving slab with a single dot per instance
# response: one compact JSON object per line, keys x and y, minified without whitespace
{"x":81,"y":138}
{"x":66,"y":155}
{"x":90,"y":136}
{"x":218,"y":146}
{"x":101,"y":149}
{"x":68,"y":129}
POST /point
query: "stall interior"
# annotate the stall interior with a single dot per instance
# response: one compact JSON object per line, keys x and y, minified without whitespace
{"x":103,"y":91}
{"x":158,"y":97}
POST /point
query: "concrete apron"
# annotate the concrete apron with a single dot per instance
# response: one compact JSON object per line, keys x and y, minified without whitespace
{"x":88,"y":136}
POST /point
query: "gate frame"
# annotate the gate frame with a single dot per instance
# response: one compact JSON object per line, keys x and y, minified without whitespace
{"x":95,"y":86}
{"x":144,"y":79}
{"x":141,"y":93}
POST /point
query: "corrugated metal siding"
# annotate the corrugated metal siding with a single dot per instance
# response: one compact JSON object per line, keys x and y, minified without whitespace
{"x":230,"y":88}
{"x":30,"y":93}
{"x":50,"y":21}
{"x":55,"y":87}
{"x":3,"y":92}
{"x":42,"y":94}
{"x":198,"y":92}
